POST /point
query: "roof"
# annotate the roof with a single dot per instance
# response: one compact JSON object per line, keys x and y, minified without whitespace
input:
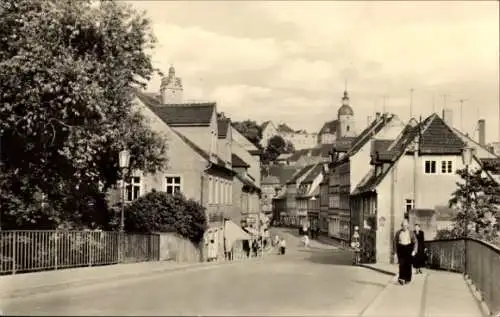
{"x":283,"y":127}
{"x":300,"y":173}
{"x":222,"y":127}
{"x":220,"y":163}
{"x":255,"y":152}
{"x":439,"y":138}
{"x":313,"y":173}
{"x":343,"y":144}
{"x":186,"y":114}
{"x":433,"y":140}
{"x":247,"y":183}
{"x":283,"y":173}
{"x":264,"y":124}
{"x":329,"y":127}
{"x":374,"y":128}
{"x":469,"y":139}
{"x":270,"y":180}
{"x":179,"y":114}
{"x":321,"y":150}
{"x":237,"y":161}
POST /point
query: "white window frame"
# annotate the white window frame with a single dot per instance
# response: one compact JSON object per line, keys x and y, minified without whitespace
{"x":216,"y":191}
{"x":446,"y":167}
{"x":167,"y":183}
{"x":430,"y":162}
{"x":409,"y":203}
{"x":130,"y":188}
{"x":210,"y":190}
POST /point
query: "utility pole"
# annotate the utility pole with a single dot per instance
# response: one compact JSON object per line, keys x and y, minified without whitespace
{"x":462,"y":114}
{"x":433,"y":103}
{"x":411,"y":102}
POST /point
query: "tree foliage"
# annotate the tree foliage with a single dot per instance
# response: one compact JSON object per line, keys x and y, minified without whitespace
{"x":275,"y":147}
{"x":477,"y":205}
{"x":250,"y":130}
{"x":68,"y":70}
{"x":162,"y":212}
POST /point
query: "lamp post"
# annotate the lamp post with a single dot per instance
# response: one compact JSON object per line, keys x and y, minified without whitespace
{"x":467,"y":154}
{"x":123,"y":161}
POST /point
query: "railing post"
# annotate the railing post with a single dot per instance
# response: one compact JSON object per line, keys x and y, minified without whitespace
{"x":90,"y":248}
{"x":56,"y":242}
{"x":14,"y":249}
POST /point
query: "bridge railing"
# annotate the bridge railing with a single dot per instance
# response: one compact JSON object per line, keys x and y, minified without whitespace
{"x":38,"y":250}
{"x":479,"y":260}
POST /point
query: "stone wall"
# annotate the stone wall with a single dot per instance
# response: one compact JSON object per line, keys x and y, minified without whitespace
{"x":175,"y":248}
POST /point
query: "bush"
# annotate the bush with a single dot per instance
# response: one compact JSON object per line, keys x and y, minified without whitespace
{"x":162,"y":212}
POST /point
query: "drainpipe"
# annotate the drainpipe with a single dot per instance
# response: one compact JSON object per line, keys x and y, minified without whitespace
{"x":393,"y":214}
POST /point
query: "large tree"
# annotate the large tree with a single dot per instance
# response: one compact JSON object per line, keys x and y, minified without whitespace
{"x":477,"y":205}
{"x":275,"y":147}
{"x":68,"y":71}
{"x":250,"y":130}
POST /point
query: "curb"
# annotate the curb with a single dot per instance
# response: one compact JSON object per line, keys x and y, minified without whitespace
{"x":22,"y":292}
{"x":387,"y":272}
{"x":478,"y":297}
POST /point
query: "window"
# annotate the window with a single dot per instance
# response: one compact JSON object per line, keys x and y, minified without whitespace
{"x":216,"y":195}
{"x":409,"y":205}
{"x":210,"y":190}
{"x":132,"y":188}
{"x":347,"y":129}
{"x":430,"y":167}
{"x":446,"y":167}
{"x":173,"y":184}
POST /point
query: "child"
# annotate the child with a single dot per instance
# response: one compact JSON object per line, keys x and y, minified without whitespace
{"x":282,"y":246}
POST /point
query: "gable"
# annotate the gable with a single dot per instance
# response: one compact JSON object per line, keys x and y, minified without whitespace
{"x":438,"y":138}
{"x":329,"y":127}
{"x":240,"y":139}
{"x":159,"y":126}
{"x":222,"y":128}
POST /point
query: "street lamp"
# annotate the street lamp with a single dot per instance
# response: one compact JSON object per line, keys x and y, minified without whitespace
{"x":123,"y":163}
{"x":467,"y":154}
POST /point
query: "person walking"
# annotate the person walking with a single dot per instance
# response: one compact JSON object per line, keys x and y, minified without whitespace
{"x":305,"y":240}
{"x":282,"y":247}
{"x":406,"y":246}
{"x":420,"y":257}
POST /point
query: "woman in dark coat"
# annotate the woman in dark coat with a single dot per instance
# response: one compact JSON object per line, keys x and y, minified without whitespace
{"x":420,"y":257}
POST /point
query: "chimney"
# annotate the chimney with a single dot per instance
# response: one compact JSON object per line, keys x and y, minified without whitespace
{"x":377,"y":116}
{"x":448,"y":116}
{"x":481,"y":125}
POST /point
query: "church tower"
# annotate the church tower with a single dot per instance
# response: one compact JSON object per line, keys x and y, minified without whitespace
{"x":345,"y":117}
{"x":171,"y":88}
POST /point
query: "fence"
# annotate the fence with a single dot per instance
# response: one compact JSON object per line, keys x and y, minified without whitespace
{"x":28,"y":251}
{"x":478,"y":259}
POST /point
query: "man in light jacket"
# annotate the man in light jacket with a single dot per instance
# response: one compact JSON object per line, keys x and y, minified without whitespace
{"x":406,"y":246}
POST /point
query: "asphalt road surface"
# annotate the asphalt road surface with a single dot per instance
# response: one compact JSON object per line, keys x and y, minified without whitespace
{"x":318,"y":281}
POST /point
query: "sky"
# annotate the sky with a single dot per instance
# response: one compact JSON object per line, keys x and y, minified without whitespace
{"x":290,"y":61}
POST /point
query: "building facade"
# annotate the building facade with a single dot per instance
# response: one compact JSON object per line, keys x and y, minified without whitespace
{"x":413,"y":177}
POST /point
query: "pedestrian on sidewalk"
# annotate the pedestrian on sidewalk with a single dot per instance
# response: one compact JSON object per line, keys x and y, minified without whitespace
{"x":282,"y":247}
{"x":420,"y":257}
{"x":406,"y":246}
{"x":212,"y":251}
{"x":276,"y":241}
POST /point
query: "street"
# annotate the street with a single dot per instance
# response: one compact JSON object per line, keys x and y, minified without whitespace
{"x":317,"y":281}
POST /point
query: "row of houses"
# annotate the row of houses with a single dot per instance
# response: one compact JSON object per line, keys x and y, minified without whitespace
{"x":209,"y":161}
{"x":389,"y":171}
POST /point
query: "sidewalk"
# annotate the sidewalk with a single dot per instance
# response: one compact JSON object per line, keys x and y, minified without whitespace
{"x":432,"y":294}
{"x":12,"y":286}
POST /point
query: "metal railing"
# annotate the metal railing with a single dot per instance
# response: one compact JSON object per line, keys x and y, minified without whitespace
{"x":28,"y":251}
{"x":481,"y":259}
